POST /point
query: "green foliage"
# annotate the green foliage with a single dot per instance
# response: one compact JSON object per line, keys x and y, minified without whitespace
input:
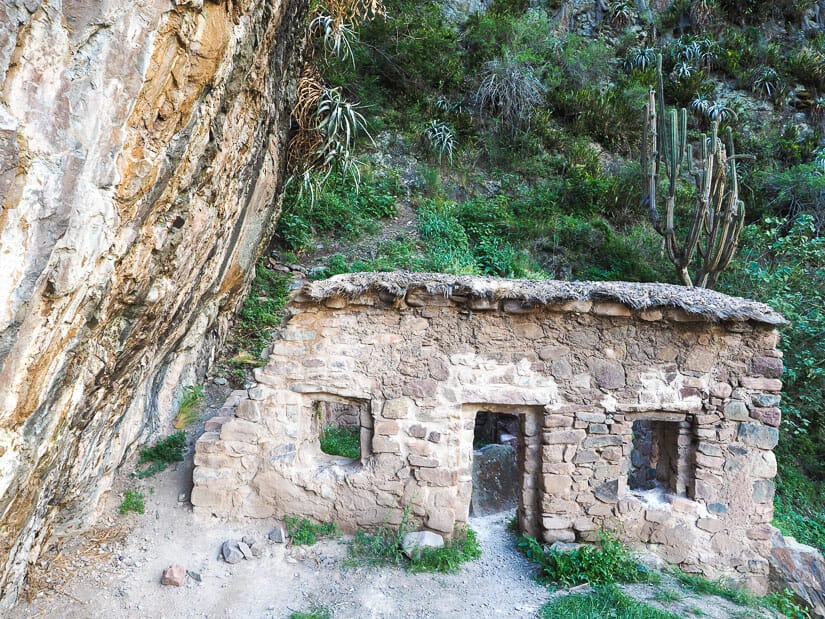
{"x":608,"y":563}
{"x":796,"y":191}
{"x":163,"y":453}
{"x":799,"y":499}
{"x":316,"y":611}
{"x":785,"y":603}
{"x":341,"y":441}
{"x":341,"y":209}
{"x":384,"y":548}
{"x":605,"y":601}
{"x":413,"y":49}
{"x":447,"y":560}
{"x":133,"y":501}
{"x":191,"y":406}
{"x":439,"y":139}
{"x":304,"y":532}
{"x":262,"y":311}
{"x":667,"y":595}
{"x":700,"y":584}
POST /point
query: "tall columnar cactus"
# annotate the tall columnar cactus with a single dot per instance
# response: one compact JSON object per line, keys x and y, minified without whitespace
{"x":708,"y":244}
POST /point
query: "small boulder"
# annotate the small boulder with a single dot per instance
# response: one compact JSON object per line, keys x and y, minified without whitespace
{"x":174,"y":575}
{"x":277,"y":535}
{"x":246,"y":550}
{"x":231,"y":552}
{"x":799,"y":568}
{"x":415,"y":542}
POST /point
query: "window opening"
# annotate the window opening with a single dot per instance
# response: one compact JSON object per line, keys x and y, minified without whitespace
{"x":663,"y":457}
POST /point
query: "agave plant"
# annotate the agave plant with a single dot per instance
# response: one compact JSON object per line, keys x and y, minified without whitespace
{"x":621,"y":12}
{"x":439,"y":138}
{"x":640,"y":59}
{"x":511,"y":90}
{"x":765,"y":81}
{"x":336,"y":35}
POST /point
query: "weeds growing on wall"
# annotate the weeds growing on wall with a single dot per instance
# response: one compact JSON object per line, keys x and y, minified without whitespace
{"x":304,"y":532}
{"x":164,"y":452}
{"x":133,"y":501}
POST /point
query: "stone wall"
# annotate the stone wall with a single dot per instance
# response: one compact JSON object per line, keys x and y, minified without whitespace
{"x":577,"y":374}
{"x":141,"y":149}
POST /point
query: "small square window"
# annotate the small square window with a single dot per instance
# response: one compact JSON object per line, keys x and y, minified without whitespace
{"x":663,"y":456}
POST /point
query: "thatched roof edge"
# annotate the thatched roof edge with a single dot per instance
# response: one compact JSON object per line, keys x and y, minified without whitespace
{"x":707,"y":304}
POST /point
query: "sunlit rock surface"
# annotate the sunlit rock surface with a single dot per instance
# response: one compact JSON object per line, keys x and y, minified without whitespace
{"x":141,"y":151}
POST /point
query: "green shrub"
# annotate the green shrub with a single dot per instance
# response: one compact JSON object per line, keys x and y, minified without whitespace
{"x":608,"y":563}
{"x":262,"y":311}
{"x":304,"y":532}
{"x":341,"y":441}
{"x":163,"y":453}
{"x":785,"y":602}
{"x":133,"y":501}
{"x":605,"y":601}
{"x":447,"y":560}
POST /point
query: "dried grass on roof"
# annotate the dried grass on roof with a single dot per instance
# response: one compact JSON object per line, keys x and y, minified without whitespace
{"x":708,"y":304}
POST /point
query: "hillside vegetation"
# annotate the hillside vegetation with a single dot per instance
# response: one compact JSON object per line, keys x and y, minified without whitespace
{"x":507,"y":143}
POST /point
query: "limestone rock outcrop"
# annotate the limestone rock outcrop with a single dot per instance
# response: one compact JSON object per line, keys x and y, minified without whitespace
{"x":141,"y":153}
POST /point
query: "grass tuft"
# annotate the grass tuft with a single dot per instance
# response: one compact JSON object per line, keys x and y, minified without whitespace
{"x":133,"y":501}
{"x":604,"y":601}
{"x":705,"y":586}
{"x":447,"y":560}
{"x":304,"y":532}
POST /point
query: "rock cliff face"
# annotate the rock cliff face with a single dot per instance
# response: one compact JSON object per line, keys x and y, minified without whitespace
{"x":141,"y":150}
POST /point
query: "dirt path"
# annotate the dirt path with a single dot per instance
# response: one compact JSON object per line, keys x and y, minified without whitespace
{"x":117,"y":579}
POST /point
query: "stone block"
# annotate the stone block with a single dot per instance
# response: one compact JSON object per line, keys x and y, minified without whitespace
{"x":420,"y":388}
{"x":556,"y":522}
{"x":436,"y":476}
{"x":591,"y":417}
{"x":608,"y":492}
{"x":249,"y":410}
{"x":398,"y":408}
{"x":711,"y":525}
{"x":769,"y":367}
{"x":557,"y":485}
{"x":650,"y":315}
{"x":563,"y":437}
{"x":174,"y":575}
{"x":558,"y":535}
{"x":442,"y":520}
{"x":700,"y":360}
{"x":386,"y":428}
{"x":606,"y":308}
{"x":757,"y":435}
{"x":610,"y":440}
{"x":422,"y":461}
{"x":764,"y":465}
{"x":558,"y":421}
{"x":721,"y":390}
{"x":770,"y":416}
{"x":736,"y":410}
{"x":381,"y":444}
{"x":241,"y":431}
{"x":585,"y":456}
{"x":598,"y":428}
{"x":766,"y":400}
{"x":761,"y":384}
{"x":608,"y":374}
{"x":434,"y":437}
{"x":215,"y":423}
{"x":763,"y":491}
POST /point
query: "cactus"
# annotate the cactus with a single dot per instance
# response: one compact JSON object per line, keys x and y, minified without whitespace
{"x":708,"y":245}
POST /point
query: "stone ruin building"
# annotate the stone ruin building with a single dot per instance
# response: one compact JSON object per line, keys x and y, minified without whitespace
{"x":646,"y":409}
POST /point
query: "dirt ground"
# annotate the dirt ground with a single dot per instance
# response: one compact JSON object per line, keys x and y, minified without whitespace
{"x":115,"y":570}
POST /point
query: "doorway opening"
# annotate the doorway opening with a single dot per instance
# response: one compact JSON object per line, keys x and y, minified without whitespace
{"x":506,"y":462}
